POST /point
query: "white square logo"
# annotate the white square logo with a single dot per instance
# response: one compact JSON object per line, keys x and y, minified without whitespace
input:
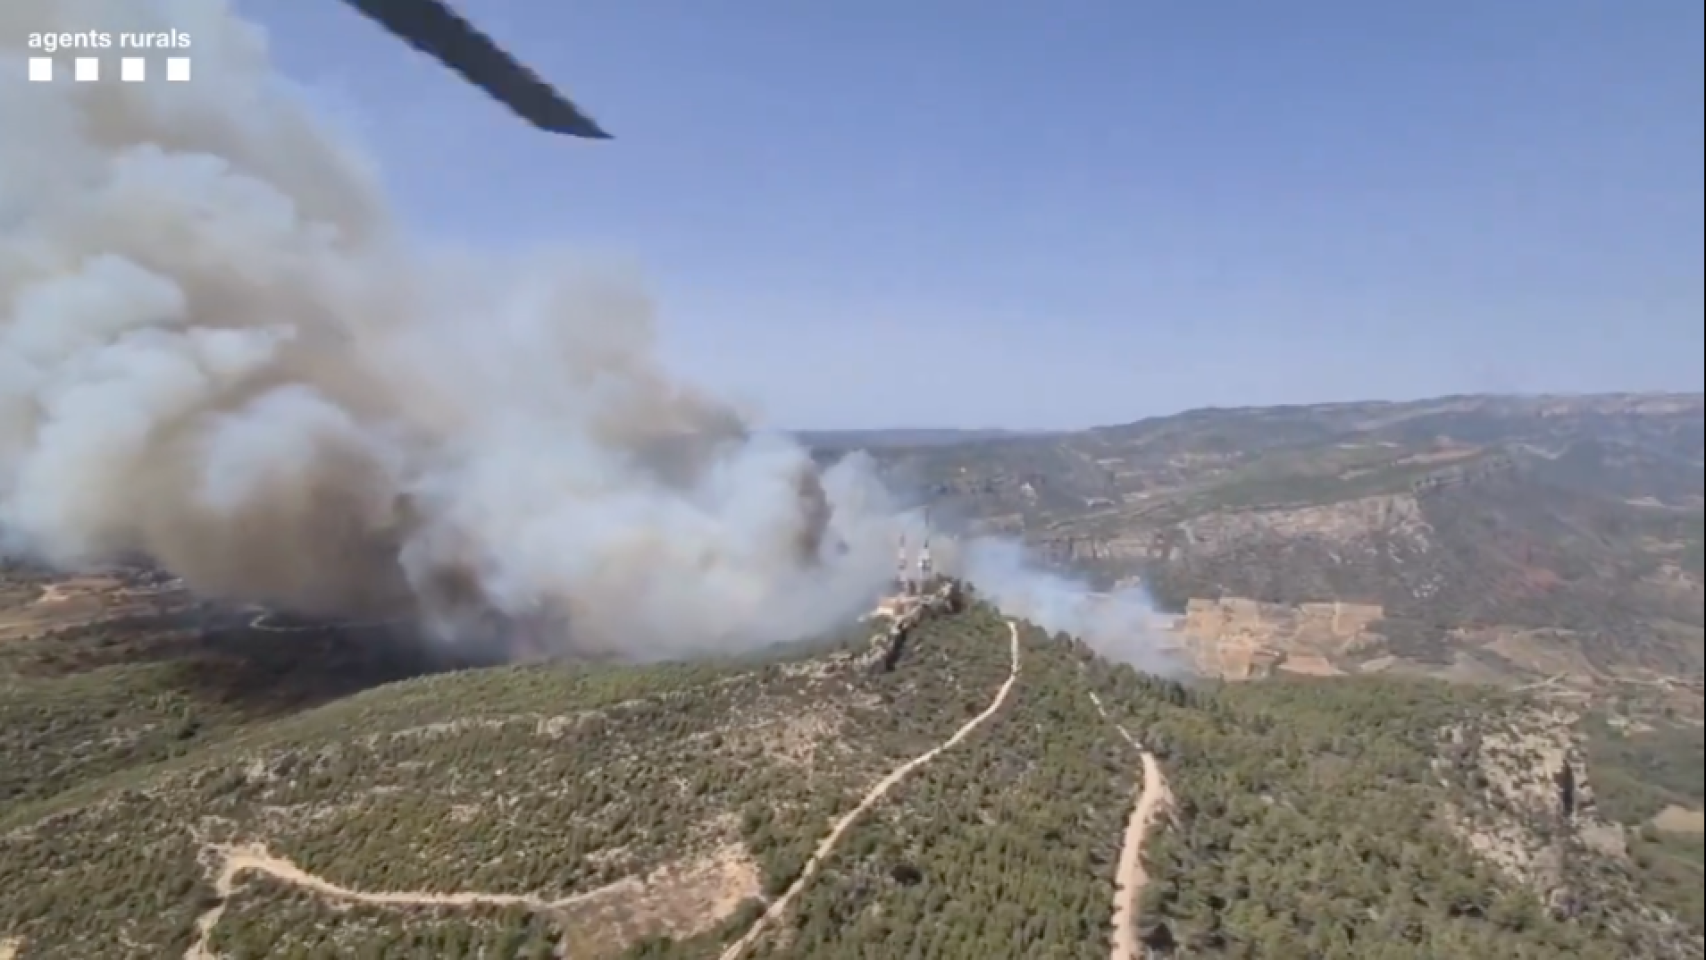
{"x":178,"y":69}
{"x":41,"y":69}
{"x":133,"y":69}
{"x":87,"y":69}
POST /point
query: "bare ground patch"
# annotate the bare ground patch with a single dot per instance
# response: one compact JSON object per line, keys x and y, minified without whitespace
{"x":1240,"y":639}
{"x":1544,"y":652}
{"x":1310,"y":666}
{"x":1675,"y":819}
{"x":680,"y":899}
{"x":72,"y":602}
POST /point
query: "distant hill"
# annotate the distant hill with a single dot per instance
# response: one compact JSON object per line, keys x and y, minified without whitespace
{"x":1493,"y":535}
{"x":914,"y":437}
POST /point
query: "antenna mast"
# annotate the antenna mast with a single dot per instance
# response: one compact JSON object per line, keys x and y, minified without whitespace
{"x":924,"y":567}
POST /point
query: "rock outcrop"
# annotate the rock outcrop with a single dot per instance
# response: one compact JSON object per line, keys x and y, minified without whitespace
{"x":943,"y":597}
{"x":1536,"y":819}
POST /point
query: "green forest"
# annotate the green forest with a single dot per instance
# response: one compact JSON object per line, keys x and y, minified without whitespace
{"x":1309,"y":816}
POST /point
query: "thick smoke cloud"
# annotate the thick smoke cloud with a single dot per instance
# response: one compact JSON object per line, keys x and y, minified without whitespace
{"x":219,"y":351}
{"x":1122,"y":625}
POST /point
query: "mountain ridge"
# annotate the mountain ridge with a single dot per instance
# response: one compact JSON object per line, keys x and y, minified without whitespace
{"x":342,"y":789}
{"x":973,"y":795}
{"x":1581,"y":514}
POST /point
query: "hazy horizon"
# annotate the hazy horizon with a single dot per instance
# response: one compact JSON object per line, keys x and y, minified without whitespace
{"x":1161,"y":415}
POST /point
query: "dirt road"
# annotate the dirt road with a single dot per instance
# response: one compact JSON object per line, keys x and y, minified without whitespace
{"x":1129,"y":882}
{"x":1153,"y":796}
{"x":254,"y":858}
{"x":825,"y":847}
{"x":235,"y":861}
{"x":262,"y":622}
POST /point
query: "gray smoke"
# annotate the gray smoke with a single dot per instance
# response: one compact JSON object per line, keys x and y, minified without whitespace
{"x":218,"y":350}
{"x":1122,"y":625}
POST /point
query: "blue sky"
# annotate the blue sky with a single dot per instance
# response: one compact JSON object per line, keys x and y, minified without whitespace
{"x":1026,"y":214}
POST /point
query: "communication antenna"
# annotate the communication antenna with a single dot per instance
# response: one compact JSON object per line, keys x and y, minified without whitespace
{"x":900,"y":570}
{"x":924,"y":553}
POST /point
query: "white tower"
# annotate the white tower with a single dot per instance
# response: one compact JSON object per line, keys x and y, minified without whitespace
{"x":900,"y":567}
{"x":925,"y":569}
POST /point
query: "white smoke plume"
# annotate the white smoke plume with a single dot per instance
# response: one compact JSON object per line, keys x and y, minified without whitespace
{"x":1122,"y":625}
{"x":218,"y":350}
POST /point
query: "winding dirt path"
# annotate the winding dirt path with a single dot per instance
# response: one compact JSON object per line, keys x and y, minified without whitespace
{"x":234,"y":861}
{"x":262,"y":622}
{"x":826,"y":846}
{"x":1153,"y":797}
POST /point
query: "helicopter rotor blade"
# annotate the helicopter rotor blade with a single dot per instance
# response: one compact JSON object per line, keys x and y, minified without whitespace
{"x":434,"y":28}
